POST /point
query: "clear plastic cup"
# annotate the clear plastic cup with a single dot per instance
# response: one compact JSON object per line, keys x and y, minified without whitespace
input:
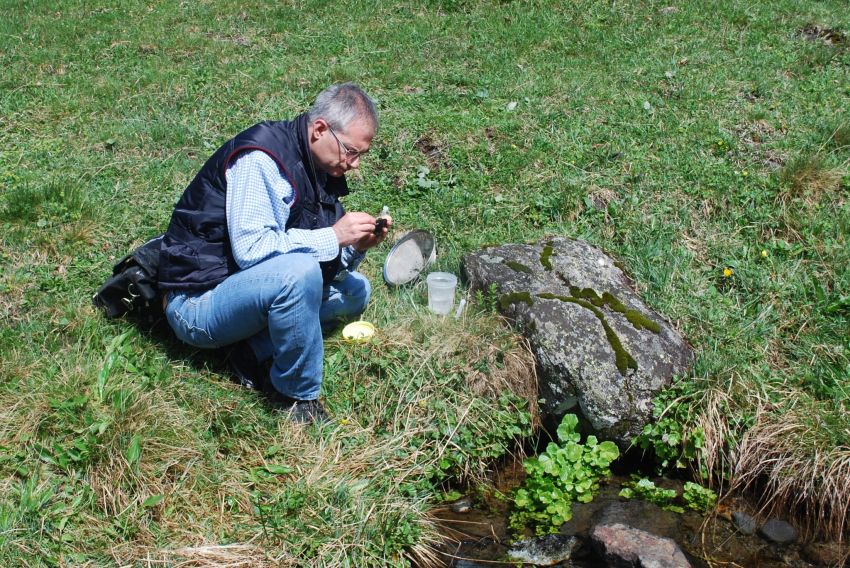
{"x":441,"y":292}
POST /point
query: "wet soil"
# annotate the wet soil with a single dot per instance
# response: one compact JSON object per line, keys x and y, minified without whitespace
{"x":480,"y":536}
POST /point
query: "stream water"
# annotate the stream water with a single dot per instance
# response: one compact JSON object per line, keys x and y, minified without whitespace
{"x":480,"y":537}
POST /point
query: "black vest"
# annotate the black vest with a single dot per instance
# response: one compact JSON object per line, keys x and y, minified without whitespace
{"x":195,"y":253}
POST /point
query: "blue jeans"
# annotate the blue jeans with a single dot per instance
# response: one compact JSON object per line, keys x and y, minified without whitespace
{"x":281,"y":307}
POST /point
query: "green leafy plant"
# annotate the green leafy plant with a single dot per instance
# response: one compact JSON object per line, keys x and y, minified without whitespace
{"x":567,"y":471}
{"x":422,"y":179}
{"x":643,"y":488}
{"x":488,"y":301}
{"x":699,"y":498}
{"x":694,"y":496}
{"x":675,"y":442}
{"x":478,"y":439}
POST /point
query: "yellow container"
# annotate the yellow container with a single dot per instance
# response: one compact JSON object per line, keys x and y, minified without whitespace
{"x":358,"y":331}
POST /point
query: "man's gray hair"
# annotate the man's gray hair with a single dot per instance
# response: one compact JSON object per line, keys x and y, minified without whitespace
{"x":342,"y":103}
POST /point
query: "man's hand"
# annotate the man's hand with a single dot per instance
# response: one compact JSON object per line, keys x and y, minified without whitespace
{"x":358,"y":229}
{"x":375,"y":238}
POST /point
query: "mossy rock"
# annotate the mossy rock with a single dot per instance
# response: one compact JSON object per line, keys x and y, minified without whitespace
{"x":598,"y":345}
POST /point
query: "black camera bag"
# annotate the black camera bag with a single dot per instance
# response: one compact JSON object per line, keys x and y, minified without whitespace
{"x":133,"y":284}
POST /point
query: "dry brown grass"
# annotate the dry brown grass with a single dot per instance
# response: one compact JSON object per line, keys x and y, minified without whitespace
{"x":474,"y":342}
{"x":203,"y":442}
{"x":346,"y":460}
{"x":782,"y":459}
{"x":203,"y":556}
{"x":326,"y":465}
{"x":814,"y":485}
{"x":809,"y":179}
{"x":713,"y":421}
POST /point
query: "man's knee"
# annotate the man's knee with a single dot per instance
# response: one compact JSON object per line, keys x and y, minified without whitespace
{"x":297,"y":273}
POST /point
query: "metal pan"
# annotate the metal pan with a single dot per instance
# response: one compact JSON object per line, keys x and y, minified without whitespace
{"x":413,"y":252}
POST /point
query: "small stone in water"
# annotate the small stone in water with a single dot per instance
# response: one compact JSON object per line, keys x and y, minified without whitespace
{"x":778,"y":531}
{"x":745,"y":523}
{"x":544,"y":551}
{"x":461,"y":505}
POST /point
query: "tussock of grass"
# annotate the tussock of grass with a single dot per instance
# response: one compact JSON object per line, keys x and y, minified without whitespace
{"x":814,"y":484}
{"x":715,"y":459}
{"x":784,"y":453}
{"x":808,"y":178}
{"x":489,"y":360}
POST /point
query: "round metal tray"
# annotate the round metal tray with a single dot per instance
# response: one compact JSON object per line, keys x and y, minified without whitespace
{"x":409,"y":257}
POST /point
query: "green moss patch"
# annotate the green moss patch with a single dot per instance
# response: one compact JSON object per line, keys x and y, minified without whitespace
{"x":640,"y":321}
{"x":587,"y":294}
{"x":519,"y":267}
{"x":506,"y":300}
{"x":546,"y":257}
{"x":634,"y":317}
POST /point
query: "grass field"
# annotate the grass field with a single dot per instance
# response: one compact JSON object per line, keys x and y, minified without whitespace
{"x":705,"y":145}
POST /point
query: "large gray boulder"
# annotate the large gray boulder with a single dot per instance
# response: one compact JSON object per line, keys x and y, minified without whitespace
{"x":600,"y":350}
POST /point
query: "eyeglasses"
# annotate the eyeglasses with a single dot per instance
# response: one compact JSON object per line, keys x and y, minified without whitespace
{"x":350,"y":154}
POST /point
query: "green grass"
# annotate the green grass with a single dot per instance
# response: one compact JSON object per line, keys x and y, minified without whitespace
{"x":683,"y":143}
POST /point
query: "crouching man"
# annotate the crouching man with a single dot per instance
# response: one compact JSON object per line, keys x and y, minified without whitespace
{"x":260,"y":252}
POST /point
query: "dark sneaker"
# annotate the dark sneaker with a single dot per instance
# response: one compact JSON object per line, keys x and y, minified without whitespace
{"x":246,"y":370}
{"x":299,"y":411}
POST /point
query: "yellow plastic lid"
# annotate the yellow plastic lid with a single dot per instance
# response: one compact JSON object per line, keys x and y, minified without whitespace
{"x":358,"y":331}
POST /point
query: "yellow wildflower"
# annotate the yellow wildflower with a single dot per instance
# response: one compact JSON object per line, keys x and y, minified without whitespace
{"x":763,"y":253}
{"x":727,"y":272}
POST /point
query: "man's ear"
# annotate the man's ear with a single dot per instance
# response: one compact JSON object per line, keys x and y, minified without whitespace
{"x":320,"y":126}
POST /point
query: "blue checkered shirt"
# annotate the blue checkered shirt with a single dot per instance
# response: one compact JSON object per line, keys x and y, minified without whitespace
{"x":257,"y":207}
